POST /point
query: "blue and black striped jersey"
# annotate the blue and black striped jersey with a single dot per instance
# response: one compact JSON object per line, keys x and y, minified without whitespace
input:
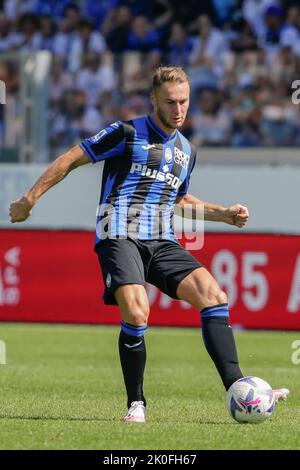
{"x":145,"y":170}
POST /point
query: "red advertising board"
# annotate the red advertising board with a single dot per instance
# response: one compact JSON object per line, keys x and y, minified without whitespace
{"x":54,"y":276}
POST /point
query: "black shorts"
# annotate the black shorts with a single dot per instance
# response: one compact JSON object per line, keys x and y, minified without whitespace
{"x":162,"y":263}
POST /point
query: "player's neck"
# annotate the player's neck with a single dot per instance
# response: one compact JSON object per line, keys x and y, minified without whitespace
{"x":166,"y":129}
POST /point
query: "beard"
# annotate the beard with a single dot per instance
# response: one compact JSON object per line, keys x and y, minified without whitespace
{"x":164,"y":119}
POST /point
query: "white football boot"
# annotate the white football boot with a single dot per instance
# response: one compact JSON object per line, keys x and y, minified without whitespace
{"x":136,"y":413}
{"x":280,"y":394}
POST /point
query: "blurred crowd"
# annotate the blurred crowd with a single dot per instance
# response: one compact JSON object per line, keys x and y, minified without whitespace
{"x":241,"y":56}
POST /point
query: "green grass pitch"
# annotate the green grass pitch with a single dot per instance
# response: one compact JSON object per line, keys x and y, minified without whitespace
{"x":62,"y":388}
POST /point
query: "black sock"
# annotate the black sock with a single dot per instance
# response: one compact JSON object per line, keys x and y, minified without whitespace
{"x":219,"y":342}
{"x":132,"y":351}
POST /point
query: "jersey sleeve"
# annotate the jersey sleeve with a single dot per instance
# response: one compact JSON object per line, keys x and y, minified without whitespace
{"x":183,"y":188}
{"x":108,"y":143}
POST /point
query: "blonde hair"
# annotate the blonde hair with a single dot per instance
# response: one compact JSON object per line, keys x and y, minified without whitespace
{"x":168,"y":74}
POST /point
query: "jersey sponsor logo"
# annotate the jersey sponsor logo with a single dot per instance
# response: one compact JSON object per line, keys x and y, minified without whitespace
{"x":168,"y":178}
{"x":148,"y":147}
{"x":168,"y":155}
{"x":98,"y":136}
{"x":181,"y":158}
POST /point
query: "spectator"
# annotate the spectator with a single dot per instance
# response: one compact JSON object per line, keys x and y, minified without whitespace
{"x":4,"y":34}
{"x":51,"y":8}
{"x":240,"y":76}
{"x":134,"y":105}
{"x":15,"y":8}
{"x":96,"y":78}
{"x":60,"y":82}
{"x":247,"y":118}
{"x":136,"y":71}
{"x":279,"y":120}
{"x":290,"y":35}
{"x":157,"y":11}
{"x":209,"y":47}
{"x":270,"y":40}
{"x":116,"y":29}
{"x":142,"y":37}
{"x":254,"y":14}
{"x":250,"y":66}
{"x":186,"y":11}
{"x":132,"y":76}
{"x":283,"y":67}
{"x":242,"y":38}
{"x":72,"y":16}
{"x":67,"y":29}
{"x":98,"y":10}
{"x":179,"y":46}
{"x":85,"y":41}
{"x":211,"y":124}
{"x":48,"y":30}
{"x":75,"y":121}
{"x":223,"y":9}
{"x":28,"y":38}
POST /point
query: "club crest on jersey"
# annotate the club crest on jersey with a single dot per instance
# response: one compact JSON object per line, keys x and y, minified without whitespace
{"x":168,"y":155}
{"x":181,"y":158}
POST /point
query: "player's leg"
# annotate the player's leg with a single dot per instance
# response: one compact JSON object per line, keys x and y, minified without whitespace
{"x":133,"y":303}
{"x":123,"y":274}
{"x":201,"y":290}
{"x":177,"y":273}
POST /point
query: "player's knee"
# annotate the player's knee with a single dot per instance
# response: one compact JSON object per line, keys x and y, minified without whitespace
{"x":221,"y":297}
{"x":137,"y":317}
{"x":136,"y":313}
{"x":215,"y":296}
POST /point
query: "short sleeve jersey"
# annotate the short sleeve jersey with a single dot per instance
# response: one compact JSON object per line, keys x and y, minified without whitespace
{"x":145,"y":170}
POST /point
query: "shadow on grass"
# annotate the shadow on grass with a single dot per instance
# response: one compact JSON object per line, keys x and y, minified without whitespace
{"x":55,"y":418}
{"x":115,"y":420}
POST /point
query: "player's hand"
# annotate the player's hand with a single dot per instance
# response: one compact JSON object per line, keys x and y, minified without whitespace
{"x":237,"y":215}
{"x":20,"y":210}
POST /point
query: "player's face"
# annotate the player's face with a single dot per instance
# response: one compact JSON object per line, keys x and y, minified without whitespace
{"x":170,"y":103}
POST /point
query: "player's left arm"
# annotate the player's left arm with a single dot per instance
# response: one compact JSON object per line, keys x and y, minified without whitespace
{"x":189,"y":206}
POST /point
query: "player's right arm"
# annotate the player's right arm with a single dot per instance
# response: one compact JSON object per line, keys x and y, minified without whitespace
{"x":21,"y":209}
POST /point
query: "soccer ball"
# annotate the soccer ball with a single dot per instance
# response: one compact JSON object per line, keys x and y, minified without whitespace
{"x":250,"y":400}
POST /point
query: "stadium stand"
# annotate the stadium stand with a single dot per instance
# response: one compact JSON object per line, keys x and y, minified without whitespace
{"x":241,"y":55}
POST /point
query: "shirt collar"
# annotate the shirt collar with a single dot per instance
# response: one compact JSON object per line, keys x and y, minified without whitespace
{"x":159,"y":131}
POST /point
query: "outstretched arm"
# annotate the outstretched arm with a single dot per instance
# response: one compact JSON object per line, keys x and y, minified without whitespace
{"x":21,"y":209}
{"x":234,"y":215}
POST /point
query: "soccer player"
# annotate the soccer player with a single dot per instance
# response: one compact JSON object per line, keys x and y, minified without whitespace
{"x":147,"y":169}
